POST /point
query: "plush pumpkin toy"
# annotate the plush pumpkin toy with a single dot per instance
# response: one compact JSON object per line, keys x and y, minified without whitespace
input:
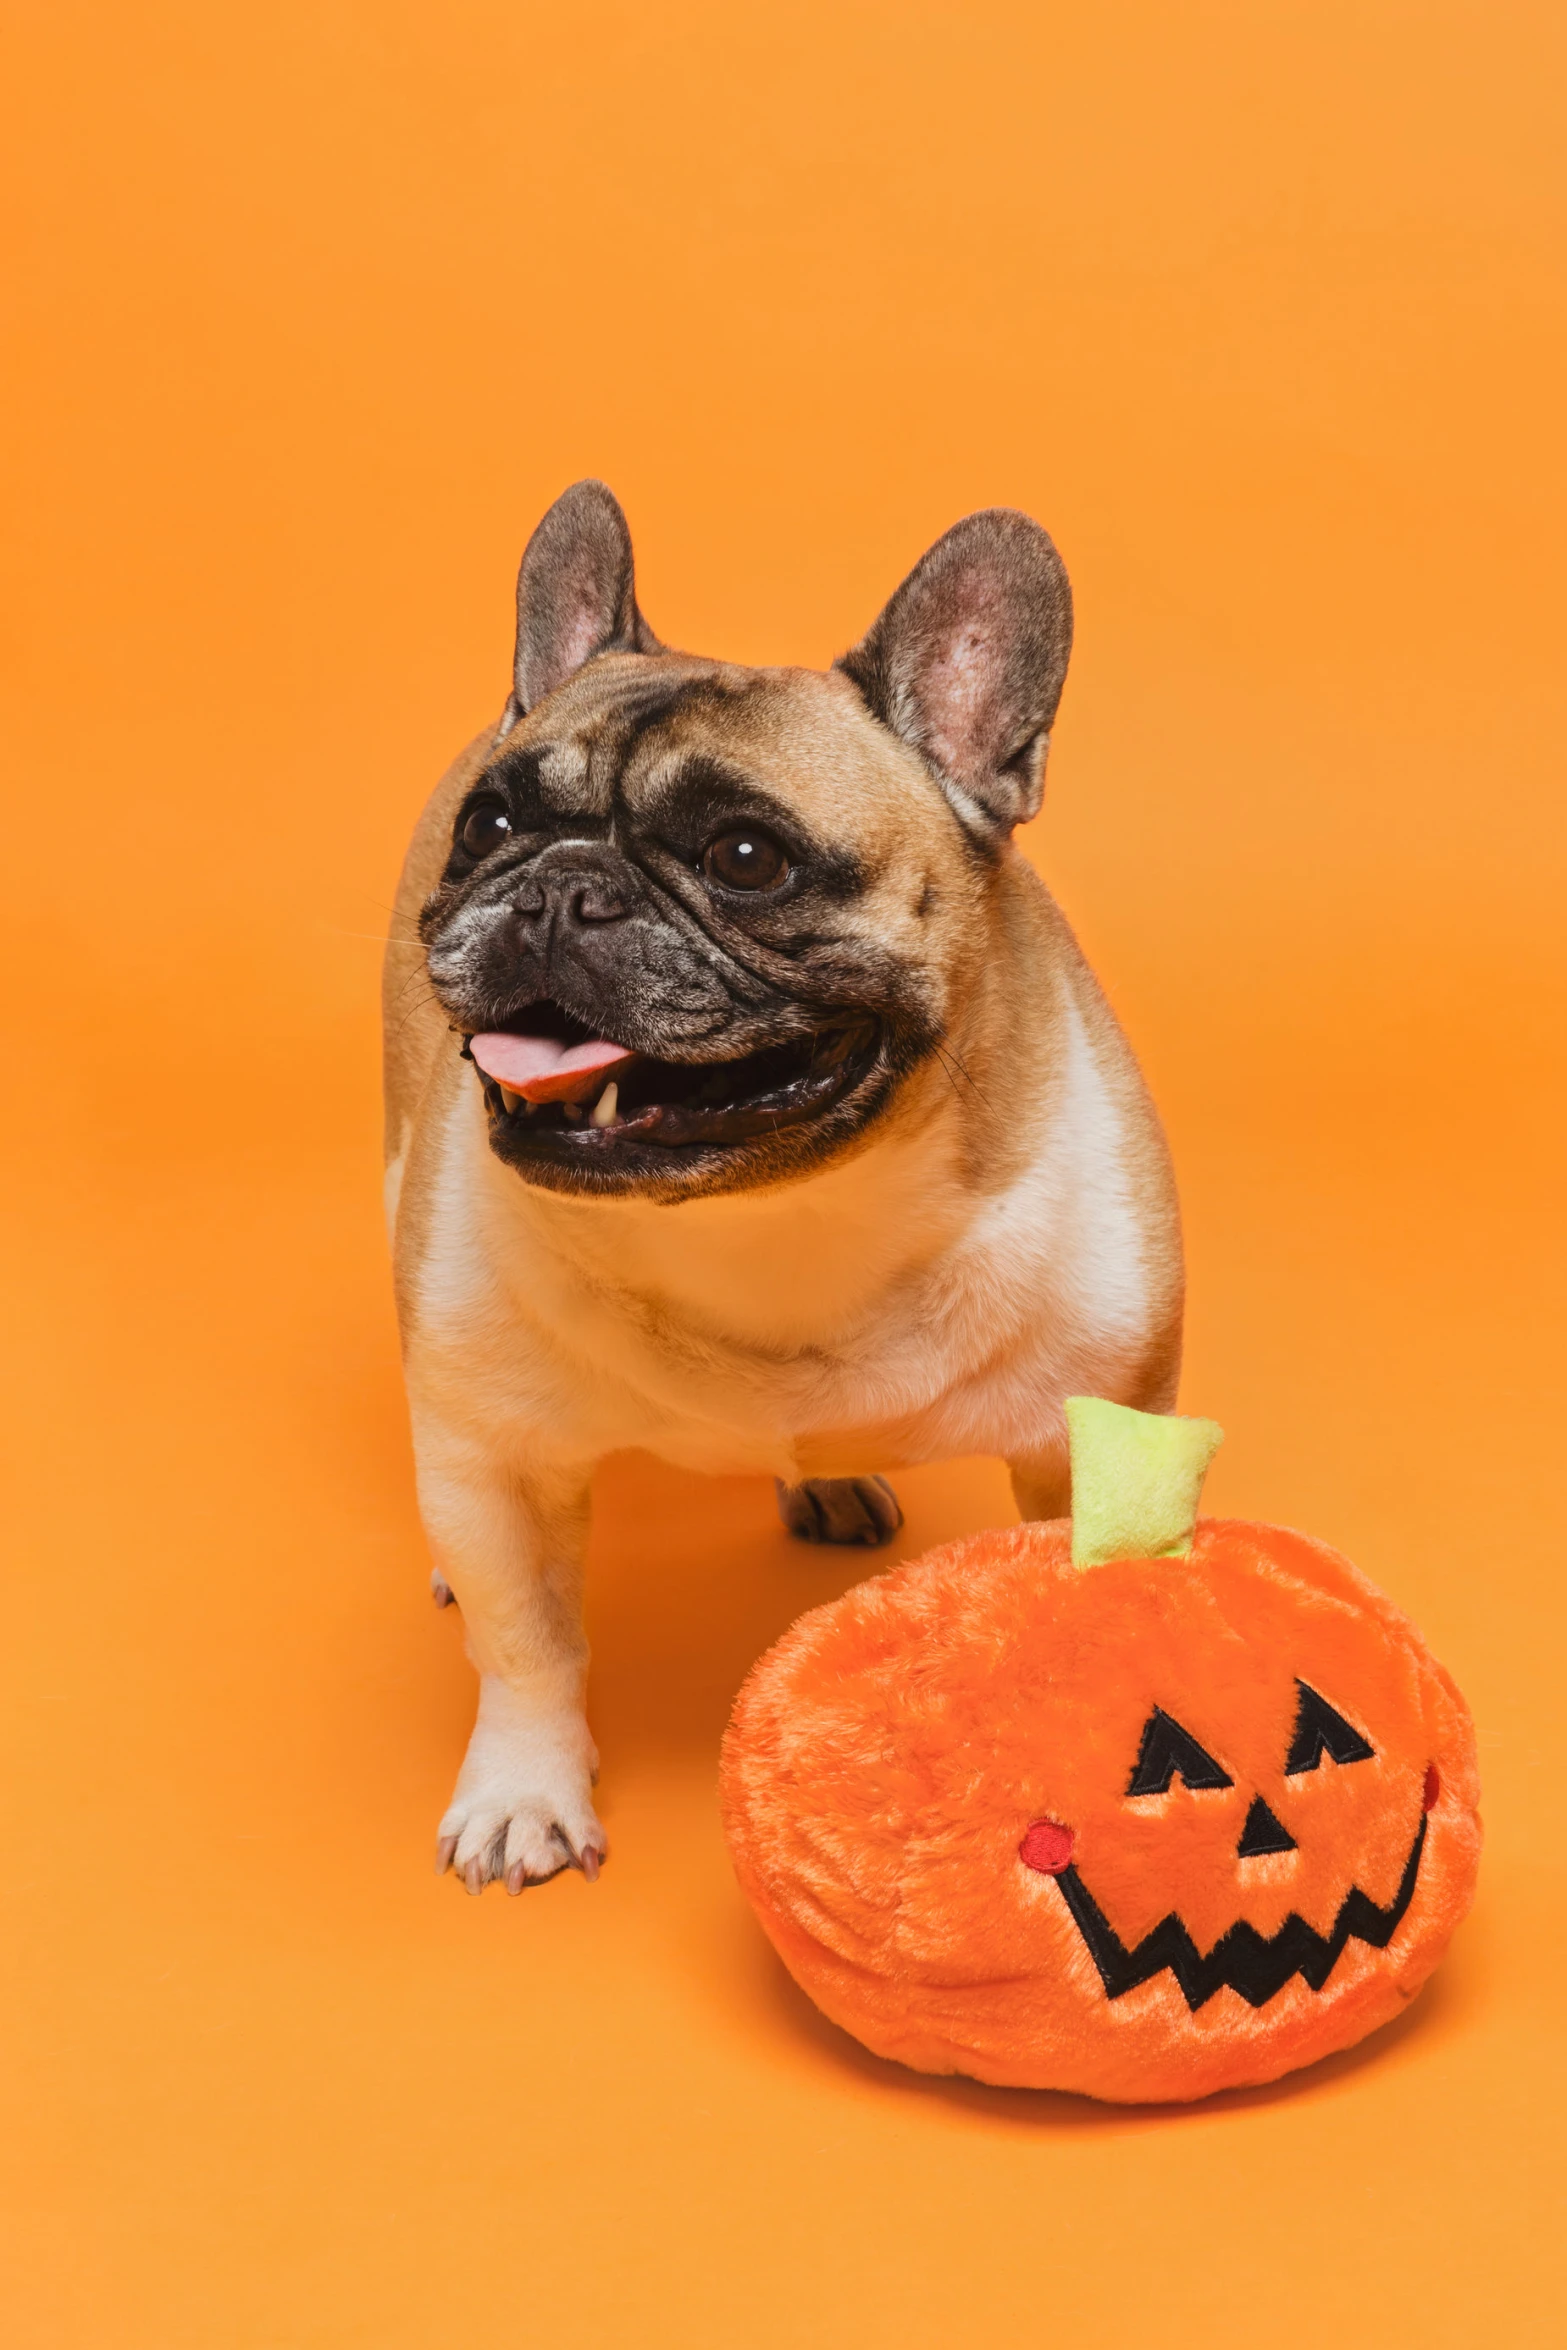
{"x":1140,"y":1805}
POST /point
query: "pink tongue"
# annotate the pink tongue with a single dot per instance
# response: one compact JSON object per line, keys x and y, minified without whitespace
{"x":542,"y":1069}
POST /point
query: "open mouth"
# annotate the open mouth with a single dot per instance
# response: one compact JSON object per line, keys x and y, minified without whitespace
{"x":551,"y":1084}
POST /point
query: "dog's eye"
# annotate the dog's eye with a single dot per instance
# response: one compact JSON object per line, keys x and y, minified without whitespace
{"x":484,"y":828}
{"x":745,"y":860}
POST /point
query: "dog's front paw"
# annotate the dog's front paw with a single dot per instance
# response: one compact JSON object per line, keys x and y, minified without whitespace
{"x":840,"y":1509}
{"x":523,"y":1806}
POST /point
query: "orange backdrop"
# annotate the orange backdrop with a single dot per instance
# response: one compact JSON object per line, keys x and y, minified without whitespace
{"x":1258,"y":306}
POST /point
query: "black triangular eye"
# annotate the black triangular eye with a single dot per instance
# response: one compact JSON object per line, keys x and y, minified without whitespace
{"x":1319,"y":1731}
{"x":1167,"y":1749}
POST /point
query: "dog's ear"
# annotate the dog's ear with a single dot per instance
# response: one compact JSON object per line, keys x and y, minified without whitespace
{"x":576,"y":596}
{"x":967,"y":663}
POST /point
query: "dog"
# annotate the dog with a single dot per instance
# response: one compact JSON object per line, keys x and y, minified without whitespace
{"x":749,"y":1101}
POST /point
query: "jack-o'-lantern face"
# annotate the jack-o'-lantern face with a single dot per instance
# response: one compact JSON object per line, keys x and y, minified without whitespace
{"x":1240,"y":1804}
{"x":1255,"y":1964}
{"x":1147,"y":1829}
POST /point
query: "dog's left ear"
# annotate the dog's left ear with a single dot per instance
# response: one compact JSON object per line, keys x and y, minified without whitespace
{"x":967,"y":662}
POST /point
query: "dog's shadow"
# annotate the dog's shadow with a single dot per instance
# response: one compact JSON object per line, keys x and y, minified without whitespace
{"x":691,"y":1578}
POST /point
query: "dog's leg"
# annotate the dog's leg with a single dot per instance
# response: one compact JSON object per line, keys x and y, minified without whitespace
{"x":840,"y":1509}
{"x":508,"y":1541}
{"x":1042,"y":1484}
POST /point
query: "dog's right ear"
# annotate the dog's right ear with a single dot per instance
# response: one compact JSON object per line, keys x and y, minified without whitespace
{"x":576,"y":596}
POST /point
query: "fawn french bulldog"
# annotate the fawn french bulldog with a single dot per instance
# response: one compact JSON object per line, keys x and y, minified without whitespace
{"x":748,"y":1100}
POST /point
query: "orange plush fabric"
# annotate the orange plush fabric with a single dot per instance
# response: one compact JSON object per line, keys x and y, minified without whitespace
{"x":928,"y":1790}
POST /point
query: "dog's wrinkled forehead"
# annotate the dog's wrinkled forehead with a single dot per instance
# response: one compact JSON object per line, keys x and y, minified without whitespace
{"x":630,"y":732}
{"x":578,"y":749}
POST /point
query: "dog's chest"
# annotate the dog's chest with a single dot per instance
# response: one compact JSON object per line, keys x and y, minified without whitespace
{"x":880,"y":1315}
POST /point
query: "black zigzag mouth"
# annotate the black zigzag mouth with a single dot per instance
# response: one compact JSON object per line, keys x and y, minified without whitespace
{"x":1256,"y":1965}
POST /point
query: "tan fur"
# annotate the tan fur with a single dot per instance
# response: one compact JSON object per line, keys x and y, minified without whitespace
{"x":1005,"y":1235}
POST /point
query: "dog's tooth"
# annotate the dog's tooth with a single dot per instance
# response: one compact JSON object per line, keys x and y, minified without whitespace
{"x":607,"y":1104}
{"x":573,"y":1112}
{"x":509,"y":1100}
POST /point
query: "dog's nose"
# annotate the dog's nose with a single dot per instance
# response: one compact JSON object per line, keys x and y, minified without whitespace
{"x":591,"y":896}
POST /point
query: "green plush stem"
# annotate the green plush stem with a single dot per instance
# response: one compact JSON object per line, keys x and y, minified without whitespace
{"x":1136,"y":1480}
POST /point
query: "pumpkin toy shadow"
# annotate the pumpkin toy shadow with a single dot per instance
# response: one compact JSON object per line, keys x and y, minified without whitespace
{"x":1444,"y":2009}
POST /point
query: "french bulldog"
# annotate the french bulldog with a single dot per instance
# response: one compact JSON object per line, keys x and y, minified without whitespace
{"x":749,"y":1101}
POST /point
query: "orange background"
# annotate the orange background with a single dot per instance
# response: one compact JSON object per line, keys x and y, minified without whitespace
{"x":1259,"y":308}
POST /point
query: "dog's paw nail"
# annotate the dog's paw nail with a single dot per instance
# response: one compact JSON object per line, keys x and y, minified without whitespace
{"x":441,"y":1591}
{"x":521,"y":1817}
{"x":444,"y":1853}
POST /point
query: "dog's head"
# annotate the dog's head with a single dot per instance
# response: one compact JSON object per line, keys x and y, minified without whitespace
{"x":701,"y":926}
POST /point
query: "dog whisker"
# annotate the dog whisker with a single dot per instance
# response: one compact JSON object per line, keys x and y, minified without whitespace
{"x":950,"y":1061}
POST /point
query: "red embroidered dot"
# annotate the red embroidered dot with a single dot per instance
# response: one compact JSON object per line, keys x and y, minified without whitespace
{"x":1433,"y":1786}
{"x":1047,"y":1847}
